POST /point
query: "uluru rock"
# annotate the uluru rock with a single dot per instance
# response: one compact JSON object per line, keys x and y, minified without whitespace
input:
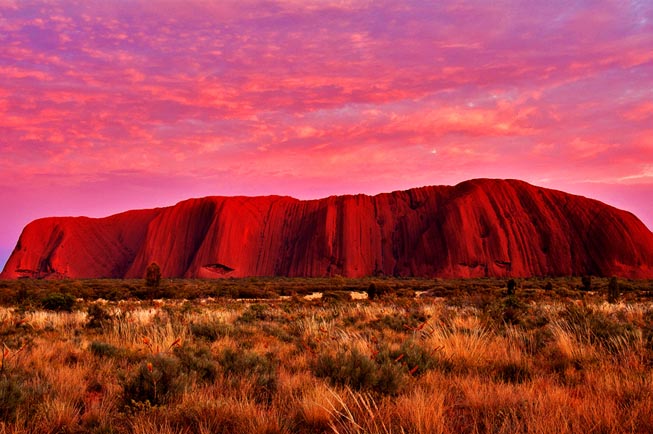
{"x":477,"y":228}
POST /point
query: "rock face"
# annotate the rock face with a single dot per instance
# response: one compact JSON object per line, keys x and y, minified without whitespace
{"x":477,"y":228}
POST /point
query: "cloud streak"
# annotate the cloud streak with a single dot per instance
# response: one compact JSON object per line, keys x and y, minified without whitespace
{"x":317,"y":97}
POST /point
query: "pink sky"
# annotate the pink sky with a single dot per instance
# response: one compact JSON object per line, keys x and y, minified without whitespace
{"x":111,"y":105}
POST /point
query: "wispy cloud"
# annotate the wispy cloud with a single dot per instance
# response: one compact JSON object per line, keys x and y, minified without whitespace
{"x":319,"y":97}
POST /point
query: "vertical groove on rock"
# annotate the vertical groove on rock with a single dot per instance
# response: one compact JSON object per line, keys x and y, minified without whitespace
{"x":476,"y":228}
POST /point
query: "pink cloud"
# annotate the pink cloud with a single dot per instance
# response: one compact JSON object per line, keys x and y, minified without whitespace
{"x":316,"y":98}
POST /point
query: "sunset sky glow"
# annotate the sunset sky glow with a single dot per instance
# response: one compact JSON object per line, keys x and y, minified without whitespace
{"x":113,"y":105}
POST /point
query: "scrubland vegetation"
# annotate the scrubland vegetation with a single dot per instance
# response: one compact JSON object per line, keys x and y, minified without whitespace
{"x":466,"y":356}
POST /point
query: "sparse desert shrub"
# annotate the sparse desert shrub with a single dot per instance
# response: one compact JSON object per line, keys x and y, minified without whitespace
{"x":392,"y":322}
{"x":98,"y":317}
{"x":255,"y":312}
{"x":512,"y":310}
{"x":244,"y":364}
{"x":252,"y":292}
{"x":350,"y":368}
{"x":157,"y":381}
{"x":412,"y":320}
{"x":336,"y":296}
{"x":377,"y":290}
{"x":405,"y":293}
{"x":103,"y":349}
{"x":11,"y":397}
{"x":278,"y":332}
{"x":58,"y":302}
{"x":415,"y":358}
{"x":197,"y":361}
{"x":508,"y":310}
{"x":390,"y":379}
{"x":211,"y":331}
{"x":115,"y":293}
{"x":360,"y":372}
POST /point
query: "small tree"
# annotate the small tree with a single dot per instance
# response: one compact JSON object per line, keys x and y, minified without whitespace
{"x":511,"y":286}
{"x":153,"y":276}
{"x":613,"y":290}
{"x":371,"y":291}
{"x":586,"y":282}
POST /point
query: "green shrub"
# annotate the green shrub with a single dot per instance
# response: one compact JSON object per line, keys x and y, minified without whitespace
{"x":262,"y":370}
{"x":390,"y":379}
{"x":278,"y":332}
{"x":392,"y":322}
{"x":11,"y":397}
{"x":255,"y":312}
{"x":414,"y":357}
{"x":360,"y":372}
{"x":157,"y":381}
{"x":103,"y":349}
{"x":98,"y":317}
{"x":58,"y":302}
{"x":210,"y":331}
{"x":402,"y":323}
{"x":197,"y":361}
{"x":508,"y":310}
{"x":352,"y":369}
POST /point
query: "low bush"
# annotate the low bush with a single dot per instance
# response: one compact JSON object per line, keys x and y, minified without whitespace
{"x":336,"y":296}
{"x":58,"y":302}
{"x":103,"y":349}
{"x":405,"y":293}
{"x":210,"y":331}
{"x":98,"y":317}
{"x":351,"y":368}
{"x":415,"y":358}
{"x":157,"y":381}
{"x":255,"y":312}
{"x":11,"y":398}
{"x":507,"y":310}
{"x":261,"y":370}
{"x":377,"y":290}
{"x":197,"y":361}
{"x":249,"y":292}
{"x":360,"y":372}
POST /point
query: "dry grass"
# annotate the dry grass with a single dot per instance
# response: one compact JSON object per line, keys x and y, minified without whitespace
{"x":426,"y":365}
